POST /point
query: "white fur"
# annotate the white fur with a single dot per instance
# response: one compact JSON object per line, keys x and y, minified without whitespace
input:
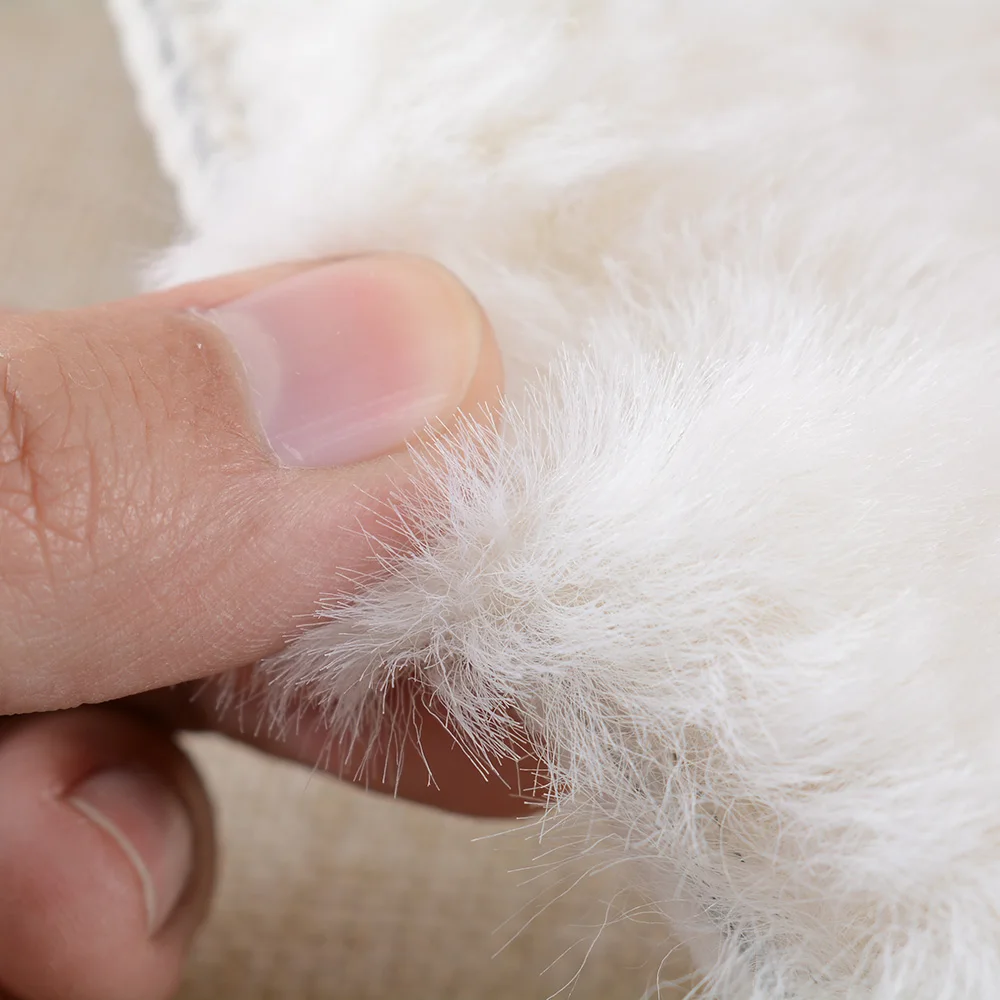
{"x":735,"y":554}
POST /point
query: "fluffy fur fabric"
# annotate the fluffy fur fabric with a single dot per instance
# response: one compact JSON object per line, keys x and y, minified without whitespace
{"x":734,"y":553}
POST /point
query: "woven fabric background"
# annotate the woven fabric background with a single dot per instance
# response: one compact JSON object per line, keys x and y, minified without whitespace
{"x":325,"y":892}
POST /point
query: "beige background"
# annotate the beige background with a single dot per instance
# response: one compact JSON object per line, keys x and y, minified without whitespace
{"x":325,"y":892}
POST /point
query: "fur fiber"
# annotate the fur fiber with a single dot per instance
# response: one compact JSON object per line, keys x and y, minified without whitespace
{"x":734,"y":552}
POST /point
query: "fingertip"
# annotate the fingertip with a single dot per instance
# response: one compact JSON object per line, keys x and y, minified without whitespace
{"x":175,"y":451}
{"x":355,"y":359}
{"x":421,"y":761}
{"x":105,"y":858}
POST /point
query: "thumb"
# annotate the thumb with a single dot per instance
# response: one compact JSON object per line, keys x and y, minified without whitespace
{"x":184,"y":475}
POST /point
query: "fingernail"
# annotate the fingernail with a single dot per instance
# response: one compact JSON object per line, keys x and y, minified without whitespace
{"x":348,"y":361}
{"x":150,"y":824}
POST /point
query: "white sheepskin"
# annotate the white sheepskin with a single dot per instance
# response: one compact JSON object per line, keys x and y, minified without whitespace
{"x":734,"y":554}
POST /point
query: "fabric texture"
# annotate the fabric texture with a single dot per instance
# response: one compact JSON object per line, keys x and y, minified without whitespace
{"x":325,"y":893}
{"x":729,"y":556}
{"x":81,"y":196}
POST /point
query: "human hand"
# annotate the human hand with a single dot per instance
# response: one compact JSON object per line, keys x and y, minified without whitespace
{"x":182,"y":477}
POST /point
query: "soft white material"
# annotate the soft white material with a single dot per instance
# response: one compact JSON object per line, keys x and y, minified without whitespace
{"x":735,"y":554}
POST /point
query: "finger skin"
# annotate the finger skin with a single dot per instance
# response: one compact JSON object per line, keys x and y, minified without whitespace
{"x":144,"y":527}
{"x":420,"y":761}
{"x":72,"y":915}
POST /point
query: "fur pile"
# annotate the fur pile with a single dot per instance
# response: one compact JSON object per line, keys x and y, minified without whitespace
{"x":734,"y":552}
